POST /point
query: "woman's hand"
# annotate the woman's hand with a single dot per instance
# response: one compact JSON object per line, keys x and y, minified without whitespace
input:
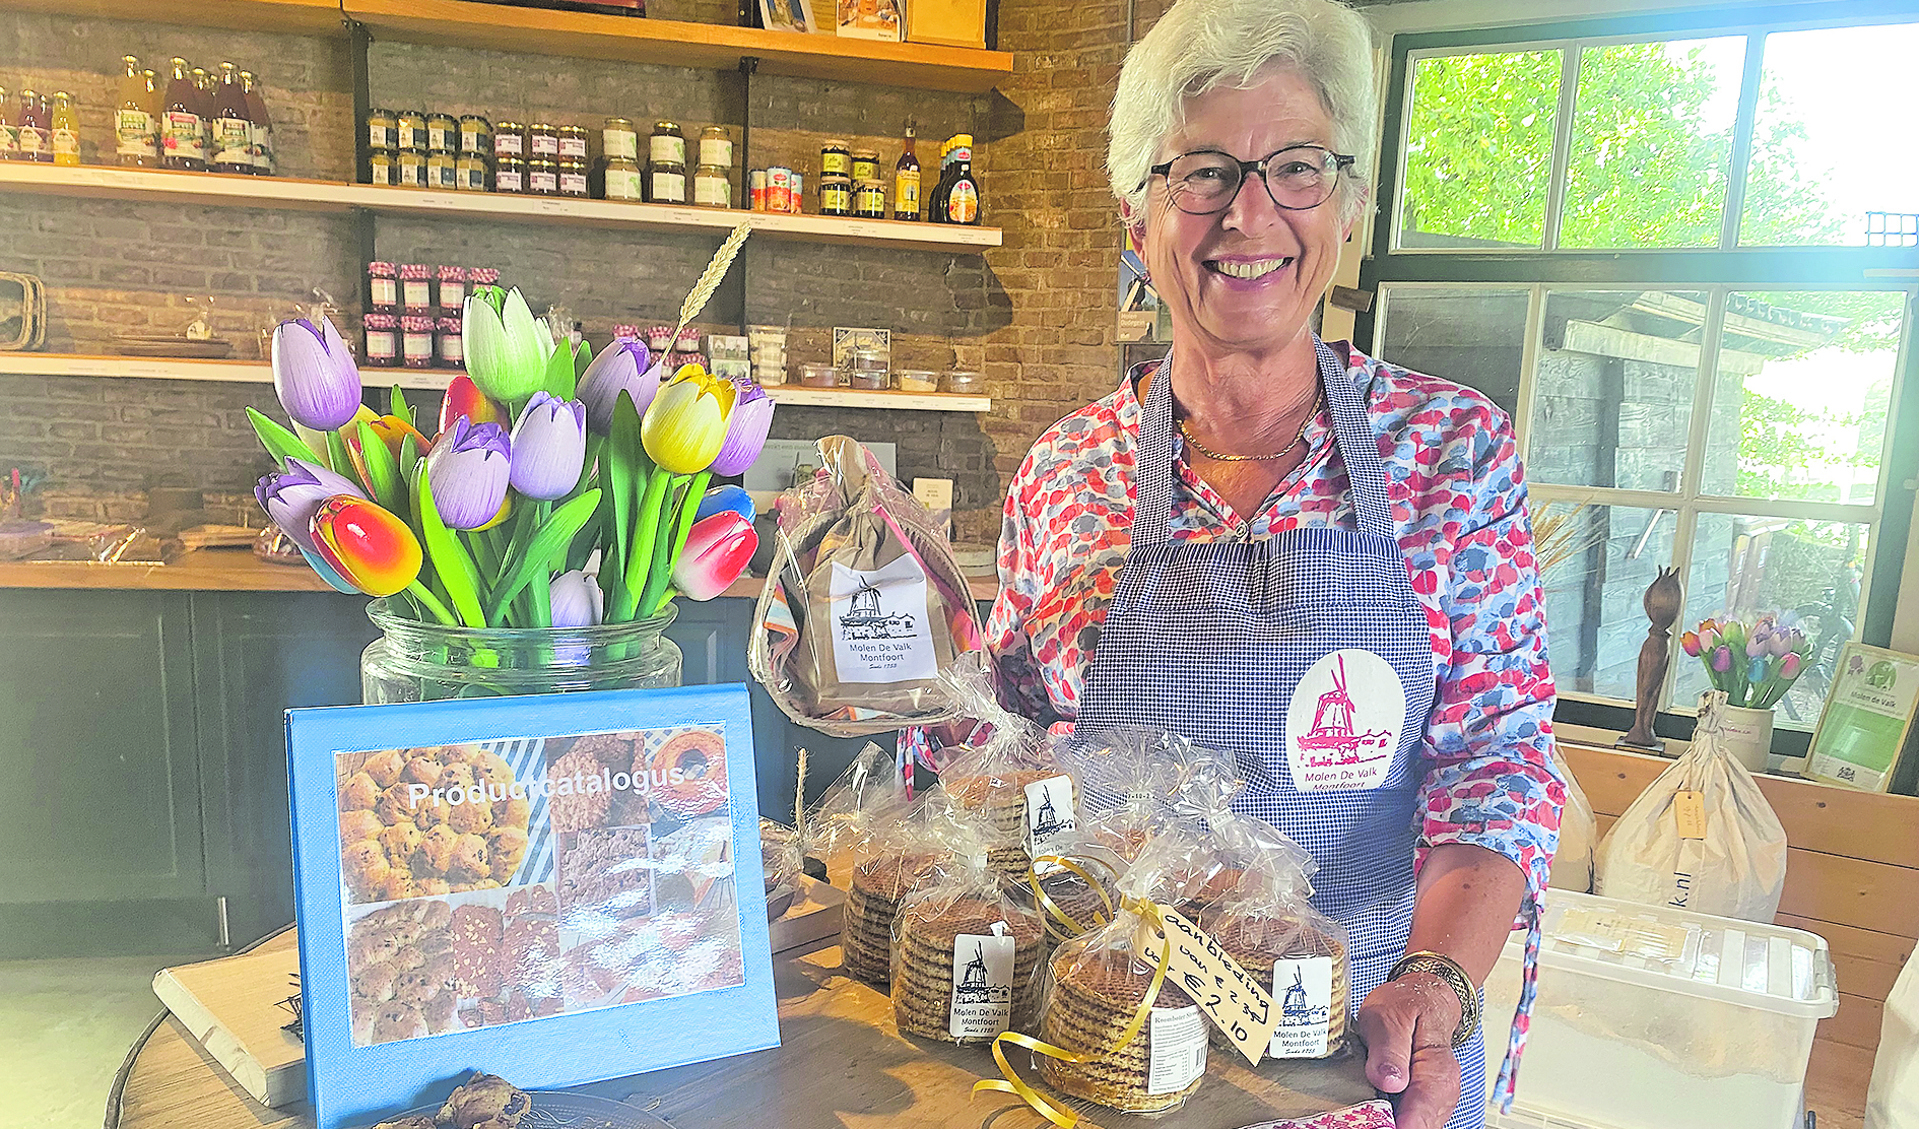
{"x":1408,"y":1027}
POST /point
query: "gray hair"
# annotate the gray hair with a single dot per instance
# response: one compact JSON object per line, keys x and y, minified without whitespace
{"x":1202,"y":44}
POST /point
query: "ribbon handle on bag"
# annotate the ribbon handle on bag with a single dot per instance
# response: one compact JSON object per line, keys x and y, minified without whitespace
{"x":1054,"y":910}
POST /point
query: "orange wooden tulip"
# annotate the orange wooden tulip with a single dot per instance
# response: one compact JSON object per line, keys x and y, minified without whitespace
{"x":392,"y":431}
{"x":464,"y":398}
{"x":370,"y":548}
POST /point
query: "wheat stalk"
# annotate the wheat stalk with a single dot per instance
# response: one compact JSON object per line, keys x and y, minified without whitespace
{"x":799,"y":799}
{"x":1557,"y":536}
{"x":710,"y":278}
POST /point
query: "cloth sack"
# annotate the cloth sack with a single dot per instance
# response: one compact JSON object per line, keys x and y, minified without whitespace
{"x":1572,"y":867}
{"x":1892,"y":1100}
{"x":1701,"y":837}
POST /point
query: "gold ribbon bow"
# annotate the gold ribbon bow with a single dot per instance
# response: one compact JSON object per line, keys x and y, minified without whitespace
{"x":1054,"y":912}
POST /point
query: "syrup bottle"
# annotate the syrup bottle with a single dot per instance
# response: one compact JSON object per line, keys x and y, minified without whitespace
{"x":232,"y":128}
{"x":36,"y":140}
{"x":906,"y":180}
{"x":65,"y":129}
{"x":9,"y":133}
{"x":203,"y":106}
{"x":134,"y":139}
{"x":182,"y":129}
{"x":962,"y":190}
{"x":262,"y":125}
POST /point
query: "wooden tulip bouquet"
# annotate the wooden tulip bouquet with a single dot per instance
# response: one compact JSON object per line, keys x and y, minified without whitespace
{"x":543,"y":459}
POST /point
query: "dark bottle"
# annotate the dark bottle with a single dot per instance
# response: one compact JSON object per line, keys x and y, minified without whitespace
{"x":181,"y":133}
{"x":936,"y":202}
{"x":35,"y":123}
{"x":906,"y":180}
{"x":203,"y":92}
{"x":232,"y":127}
{"x":263,"y":160}
{"x":962,"y":205}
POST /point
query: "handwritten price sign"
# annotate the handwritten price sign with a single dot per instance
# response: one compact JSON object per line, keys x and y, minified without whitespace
{"x":1227,"y":993}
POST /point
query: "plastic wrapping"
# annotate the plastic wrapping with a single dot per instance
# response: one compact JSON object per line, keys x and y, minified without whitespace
{"x":865,"y":798}
{"x":928,"y":844}
{"x":783,"y":859}
{"x":864,"y":605}
{"x":1009,"y":778}
{"x":965,"y":955}
{"x":1298,"y":955}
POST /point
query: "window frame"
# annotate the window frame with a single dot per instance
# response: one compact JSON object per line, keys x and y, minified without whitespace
{"x":1719,"y":270}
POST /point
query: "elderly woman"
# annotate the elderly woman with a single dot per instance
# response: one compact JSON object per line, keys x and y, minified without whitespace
{"x":1283,"y":548}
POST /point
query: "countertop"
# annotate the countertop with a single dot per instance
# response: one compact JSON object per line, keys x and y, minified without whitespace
{"x":238,"y":570}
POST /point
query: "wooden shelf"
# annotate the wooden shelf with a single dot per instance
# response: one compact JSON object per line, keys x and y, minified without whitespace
{"x":259,"y":372}
{"x":288,"y":193}
{"x":498,"y":27}
{"x":289,"y":17}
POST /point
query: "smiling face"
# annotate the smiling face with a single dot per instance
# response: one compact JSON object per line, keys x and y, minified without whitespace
{"x":1247,"y":278}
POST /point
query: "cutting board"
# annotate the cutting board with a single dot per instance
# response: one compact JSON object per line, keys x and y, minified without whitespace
{"x":232,"y":1006}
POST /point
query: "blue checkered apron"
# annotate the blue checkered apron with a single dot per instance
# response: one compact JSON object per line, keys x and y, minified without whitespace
{"x":1211,"y":640}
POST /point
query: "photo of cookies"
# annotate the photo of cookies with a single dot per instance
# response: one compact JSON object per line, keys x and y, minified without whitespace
{"x":605,"y":873}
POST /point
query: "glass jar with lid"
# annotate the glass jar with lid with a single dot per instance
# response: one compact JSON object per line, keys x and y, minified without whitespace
{"x":543,"y":177}
{"x":623,"y":179}
{"x":382,"y":339}
{"x":416,"y":341}
{"x":382,"y":129}
{"x":383,"y":286}
{"x":716,"y":146}
{"x":451,"y":291}
{"x":452,"y":346}
{"x":618,"y":139}
{"x":442,"y":170}
{"x":819,"y":376}
{"x":443,"y":132}
{"x":412,"y":168}
{"x":869,"y":200}
{"x":572,"y":139}
{"x":666,"y":183}
{"x":573,"y":177}
{"x":476,"y":135}
{"x":867,"y":370}
{"x":410,"y":129}
{"x":509,"y":140}
{"x":542,"y":140}
{"x":713,"y":186}
{"x":836,"y":196}
{"x":667,"y":146}
{"x":509,"y":175}
{"x":382,"y":167}
{"x":835,"y":159}
{"x":866,"y":165}
{"x":471,"y":173}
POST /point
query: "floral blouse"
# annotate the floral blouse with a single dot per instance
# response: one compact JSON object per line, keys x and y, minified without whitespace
{"x":1459,"y":503}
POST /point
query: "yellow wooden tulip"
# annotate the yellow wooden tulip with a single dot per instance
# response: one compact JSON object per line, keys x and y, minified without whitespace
{"x":685,"y":426}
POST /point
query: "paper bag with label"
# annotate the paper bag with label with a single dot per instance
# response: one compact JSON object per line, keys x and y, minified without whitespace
{"x":1700,"y":837}
{"x":864,"y":605}
{"x":1572,"y":867}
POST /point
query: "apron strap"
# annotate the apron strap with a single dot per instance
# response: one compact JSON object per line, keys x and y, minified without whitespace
{"x":1352,"y":429}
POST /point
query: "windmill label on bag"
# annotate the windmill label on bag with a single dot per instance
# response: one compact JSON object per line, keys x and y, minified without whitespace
{"x":982,"y":1004}
{"x":880,"y":627}
{"x":1305,"y":990}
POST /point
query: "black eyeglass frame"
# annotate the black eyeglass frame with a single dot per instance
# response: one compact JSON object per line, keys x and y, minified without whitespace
{"x":1341,"y":162}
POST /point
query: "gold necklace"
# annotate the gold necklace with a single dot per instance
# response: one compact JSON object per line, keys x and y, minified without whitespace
{"x":1218,"y":457}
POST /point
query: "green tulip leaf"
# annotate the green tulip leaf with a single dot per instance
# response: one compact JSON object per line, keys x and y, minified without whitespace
{"x":537,"y":555}
{"x":582,"y":360}
{"x":382,"y":472}
{"x":337,"y":455}
{"x":450,"y":560}
{"x":396,"y":406}
{"x":654,"y":598}
{"x":561,"y":377}
{"x":639,"y":562}
{"x":281,"y":443}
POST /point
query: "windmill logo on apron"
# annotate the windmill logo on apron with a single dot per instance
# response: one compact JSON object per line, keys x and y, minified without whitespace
{"x":1343,"y":725}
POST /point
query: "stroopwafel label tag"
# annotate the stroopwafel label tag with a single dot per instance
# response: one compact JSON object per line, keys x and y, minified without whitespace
{"x":982,"y":984}
{"x":1175,"y":1049}
{"x":1304,"y":988}
{"x":1050,"y":815}
{"x":1226,"y":992}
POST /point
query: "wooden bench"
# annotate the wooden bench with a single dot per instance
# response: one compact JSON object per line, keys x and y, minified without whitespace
{"x":1852,"y":876}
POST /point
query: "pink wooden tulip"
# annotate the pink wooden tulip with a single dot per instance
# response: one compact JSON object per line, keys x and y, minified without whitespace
{"x":717,"y":551}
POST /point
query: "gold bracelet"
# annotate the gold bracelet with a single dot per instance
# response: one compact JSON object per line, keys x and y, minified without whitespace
{"x":1448,"y":970}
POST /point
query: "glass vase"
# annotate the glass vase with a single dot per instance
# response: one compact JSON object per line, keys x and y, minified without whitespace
{"x":414,"y":661}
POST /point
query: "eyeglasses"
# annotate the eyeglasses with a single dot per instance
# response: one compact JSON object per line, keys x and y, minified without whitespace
{"x":1298,"y":178}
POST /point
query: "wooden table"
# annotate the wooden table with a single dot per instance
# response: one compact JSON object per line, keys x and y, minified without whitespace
{"x":841,"y":1063}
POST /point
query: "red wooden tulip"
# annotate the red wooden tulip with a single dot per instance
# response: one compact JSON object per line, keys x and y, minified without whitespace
{"x":716,"y":553}
{"x":464,"y":398}
{"x":369,"y":547}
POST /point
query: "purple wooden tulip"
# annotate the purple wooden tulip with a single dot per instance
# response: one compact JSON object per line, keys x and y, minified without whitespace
{"x":1722,"y":659}
{"x":746,"y":430}
{"x":291,"y":497}
{"x":468,"y":469}
{"x":549,"y":447}
{"x":621,"y":366}
{"x":576,"y":600}
{"x":314,"y":374}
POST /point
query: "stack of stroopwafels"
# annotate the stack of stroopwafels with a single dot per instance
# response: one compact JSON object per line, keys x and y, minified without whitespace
{"x":1256,"y":942}
{"x":872,"y":900}
{"x":1093,"y":1000}
{"x":999,"y":798}
{"x":923,"y":968}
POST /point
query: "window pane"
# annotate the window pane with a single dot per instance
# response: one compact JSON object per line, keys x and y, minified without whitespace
{"x":1744,"y":566}
{"x":1467,"y":334}
{"x":1651,"y":147}
{"x":1595,"y":564}
{"x":1479,"y":150}
{"x":1615,"y":388}
{"x":1801,"y":393}
{"x":1821,"y":159}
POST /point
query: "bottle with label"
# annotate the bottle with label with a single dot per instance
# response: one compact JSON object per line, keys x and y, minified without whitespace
{"x":9,"y":132}
{"x":906,"y":180}
{"x":232,"y":128}
{"x":962,"y":191}
{"x":134,"y":139}
{"x":36,"y":137}
{"x":66,"y":130}
{"x":180,"y":131}
{"x":263,"y":159}
{"x":936,"y":202}
{"x":203,"y":105}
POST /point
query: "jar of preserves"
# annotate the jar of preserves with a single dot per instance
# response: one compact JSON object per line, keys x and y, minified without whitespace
{"x":573,"y":177}
{"x":416,"y":341}
{"x":472,"y":173}
{"x":836,"y":196}
{"x":667,"y":146}
{"x":476,"y":135}
{"x":623,"y":179}
{"x":835,"y":159}
{"x":779,"y":189}
{"x":452,"y":292}
{"x":618,"y":139}
{"x":441,"y":170}
{"x":666,"y":183}
{"x":509,"y":140}
{"x":382,"y":286}
{"x":716,"y":146}
{"x":382,"y":129}
{"x":383,"y":167}
{"x":382,"y":339}
{"x":869,"y":200}
{"x":866,"y":165}
{"x":410,"y":130}
{"x":443,"y":132}
{"x":542,"y":140}
{"x":659,"y":338}
{"x":819,"y":376}
{"x":756,"y":189}
{"x":412,"y":168}
{"x":572,"y":140}
{"x":542,"y":177}
{"x":452,"y":346}
{"x":509,"y":175}
{"x":416,"y":288}
{"x":713,"y":186}
{"x":483,"y":276}
{"x":624,"y":332}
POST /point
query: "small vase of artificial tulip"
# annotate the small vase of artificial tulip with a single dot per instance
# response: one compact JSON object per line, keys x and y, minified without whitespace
{"x":1755,"y":663}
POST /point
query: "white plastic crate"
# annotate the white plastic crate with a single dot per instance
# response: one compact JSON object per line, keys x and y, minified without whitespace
{"x":1650,"y":1017}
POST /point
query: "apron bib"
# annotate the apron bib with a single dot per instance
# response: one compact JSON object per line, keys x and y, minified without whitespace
{"x":1308,"y":657}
